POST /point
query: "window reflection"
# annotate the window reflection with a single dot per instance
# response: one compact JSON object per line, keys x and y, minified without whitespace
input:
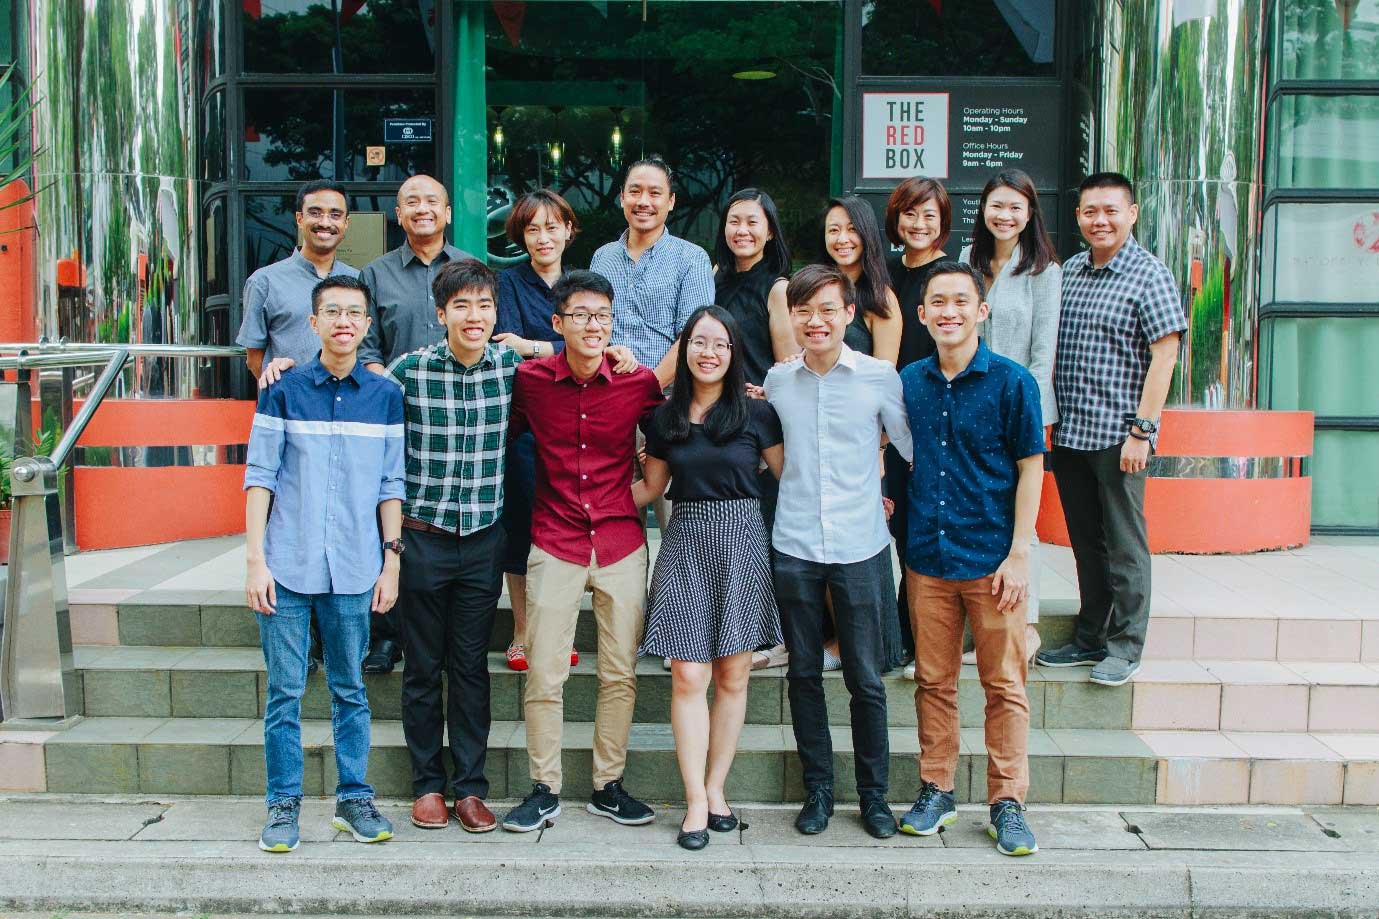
{"x":1327,"y":39}
{"x":1321,"y":253}
{"x":213,"y":168}
{"x":215,"y":278}
{"x":331,"y":36}
{"x":969,"y":38}
{"x":270,"y":228}
{"x":1324,"y":141}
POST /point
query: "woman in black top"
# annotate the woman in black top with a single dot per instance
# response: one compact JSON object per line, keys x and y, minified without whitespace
{"x":852,"y":241}
{"x":919,"y":220}
{"x":751,"y":269}
{"x":711,"y":601}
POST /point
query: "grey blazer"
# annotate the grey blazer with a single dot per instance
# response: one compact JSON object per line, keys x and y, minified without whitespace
{"x":1023,"y":324}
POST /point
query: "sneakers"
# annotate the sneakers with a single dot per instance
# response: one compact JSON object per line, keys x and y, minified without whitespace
{"x":359,"y":818}
{"x":280,"y":834}
{"x":1114,"y":671}
{"x":1008,"y":828}
{"x":538,"y":809}
{"x":613,"y":801}
{"x":517,"y":657}
{"x":934,"y":810}
{"x":1070,"y":655}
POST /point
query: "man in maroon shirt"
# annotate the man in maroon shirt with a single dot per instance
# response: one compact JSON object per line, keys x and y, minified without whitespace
{"x":586,"y":533}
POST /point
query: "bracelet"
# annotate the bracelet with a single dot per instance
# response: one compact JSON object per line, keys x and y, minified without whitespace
{"x":1137,"y":435}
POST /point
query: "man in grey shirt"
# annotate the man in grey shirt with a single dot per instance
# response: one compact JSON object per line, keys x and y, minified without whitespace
{"x":400,"y":280}
{"x":277,"y":297}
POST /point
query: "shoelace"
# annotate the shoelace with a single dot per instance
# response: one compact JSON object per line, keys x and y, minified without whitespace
{"x":1013,"y":817}
{"x":368,"y":809}
{"x":282,"y":813}
{"x":535,"y":794}
{"x":817,"y":795}
{"x":927,"y":794}
{"x":618,"y":792}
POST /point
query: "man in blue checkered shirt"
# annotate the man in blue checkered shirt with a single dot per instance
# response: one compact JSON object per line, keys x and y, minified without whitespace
{"x":1118,"y":334}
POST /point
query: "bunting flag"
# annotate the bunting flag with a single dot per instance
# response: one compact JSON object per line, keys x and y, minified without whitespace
{"x":938,"y":7}
{"x":254,"y":8}
{"x":348,"y":8}
{"x":511,"y":13}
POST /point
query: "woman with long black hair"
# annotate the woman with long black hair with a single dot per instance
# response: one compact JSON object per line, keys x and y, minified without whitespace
{"x":852,"y":241}
{"x":1024,"y":286}
{"x":751,"y":270}
{"x":711,"y":602}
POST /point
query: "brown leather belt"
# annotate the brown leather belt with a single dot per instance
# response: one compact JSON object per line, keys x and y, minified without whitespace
{"x":421,"y":526}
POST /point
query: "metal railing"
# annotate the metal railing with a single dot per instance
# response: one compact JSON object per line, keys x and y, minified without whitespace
{"x":37,"y":679}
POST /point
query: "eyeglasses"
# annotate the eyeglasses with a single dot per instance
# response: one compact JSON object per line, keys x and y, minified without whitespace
{"x":720,"y":346}
{"x":807,"y":314}
{"x":316,"y":213}
{"x":579,"y":318}
{"x":354,"y":314}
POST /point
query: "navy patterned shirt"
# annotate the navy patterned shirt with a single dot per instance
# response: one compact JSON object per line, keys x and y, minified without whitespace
{"x":969,"y":433}
{"x":1110,"y":317}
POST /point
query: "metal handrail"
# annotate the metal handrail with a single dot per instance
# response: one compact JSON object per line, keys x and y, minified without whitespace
{"x":88,"y":408}
{"x":80,"y":354}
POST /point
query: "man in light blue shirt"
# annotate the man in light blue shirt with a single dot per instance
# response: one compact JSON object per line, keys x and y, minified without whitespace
{"x":830,"y":537}
{"x":326,"y":452}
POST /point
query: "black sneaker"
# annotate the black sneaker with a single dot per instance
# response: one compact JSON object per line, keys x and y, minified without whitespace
{"x":613,"y":801}
{"x":538,"y":809}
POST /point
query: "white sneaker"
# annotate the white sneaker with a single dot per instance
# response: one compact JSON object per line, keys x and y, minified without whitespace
{"x":832,"y":661}
{"x":910,"y":671}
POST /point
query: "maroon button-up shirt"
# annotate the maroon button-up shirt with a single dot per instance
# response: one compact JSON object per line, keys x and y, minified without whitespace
{"x":585,"y":438}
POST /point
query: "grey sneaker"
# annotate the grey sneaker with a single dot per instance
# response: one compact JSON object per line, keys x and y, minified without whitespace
{"x":1114,"y":671}
{"x":361,"y":819}
{"x":1070,"y":655}
{"x":934,"y":810}
{"x":280,"y":834}
{"x":1008,"y":827}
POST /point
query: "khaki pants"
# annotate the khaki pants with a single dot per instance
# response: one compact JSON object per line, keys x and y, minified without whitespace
{"x":555,"y":589}
{"x":937,"y":610}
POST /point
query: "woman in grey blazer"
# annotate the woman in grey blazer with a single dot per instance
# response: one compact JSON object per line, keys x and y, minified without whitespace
{"x":1011,"y":248}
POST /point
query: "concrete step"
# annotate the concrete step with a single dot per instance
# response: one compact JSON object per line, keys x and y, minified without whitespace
{"x":216,"y":756}
{"x":125,"y":681}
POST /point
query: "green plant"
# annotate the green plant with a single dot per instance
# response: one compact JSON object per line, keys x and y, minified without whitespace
{"x":15,"y":161}
{"x":48,"y":437}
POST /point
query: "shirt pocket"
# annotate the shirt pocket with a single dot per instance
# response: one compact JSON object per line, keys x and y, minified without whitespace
{"x":978,"y":423}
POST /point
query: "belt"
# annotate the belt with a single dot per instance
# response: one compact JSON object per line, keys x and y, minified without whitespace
{"x":422,"y":526}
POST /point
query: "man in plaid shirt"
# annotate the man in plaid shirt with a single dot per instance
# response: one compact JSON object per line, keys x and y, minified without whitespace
{"x":1118,"y":337}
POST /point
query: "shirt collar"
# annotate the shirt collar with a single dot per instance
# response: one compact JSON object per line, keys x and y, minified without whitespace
{"x":846,"y":358}
{"x":980,"y":363}
{"x":301,"y":260}
{"x":319,"y":373}
{"x":1118,"y":263}
{"x":489,"y":359}
{"x":409,"y":254}
{"x":563,"y":371}
{"x":665,"y":234}
{"x":527,"y":273}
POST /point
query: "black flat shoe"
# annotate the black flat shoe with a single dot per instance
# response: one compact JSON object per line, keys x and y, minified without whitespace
{"x":694,"y":840}
{"x":382,"y":657}
{"x":722,"y":824}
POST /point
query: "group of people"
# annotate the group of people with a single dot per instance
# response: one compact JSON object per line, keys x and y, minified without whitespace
{"x":425,"y":426}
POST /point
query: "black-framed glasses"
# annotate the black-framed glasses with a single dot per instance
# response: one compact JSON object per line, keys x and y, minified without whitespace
{"x":580,"y":318}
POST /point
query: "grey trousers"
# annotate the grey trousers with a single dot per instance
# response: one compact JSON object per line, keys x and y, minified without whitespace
{"x":1104,"y":509}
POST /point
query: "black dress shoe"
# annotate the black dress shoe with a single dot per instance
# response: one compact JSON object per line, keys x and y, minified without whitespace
{"x":877,"y":818}
{"x":721,"y":824}
{"x":382,"y":656}
{"x":813,"y":818}
{"x":312,"y":664}
{"x":313,"y":652}
{"x":694,"y":840}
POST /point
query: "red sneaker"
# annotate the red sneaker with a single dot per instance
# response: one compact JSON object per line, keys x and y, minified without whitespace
{"x":517,"y":657}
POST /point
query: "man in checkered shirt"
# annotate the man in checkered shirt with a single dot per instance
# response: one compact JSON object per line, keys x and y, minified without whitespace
{"x":1121,"y":320}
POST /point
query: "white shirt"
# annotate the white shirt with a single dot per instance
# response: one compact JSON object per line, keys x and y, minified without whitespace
{"x":829,"y":510}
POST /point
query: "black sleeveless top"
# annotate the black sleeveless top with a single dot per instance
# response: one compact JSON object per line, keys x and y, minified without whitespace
{"x":744,"y":294}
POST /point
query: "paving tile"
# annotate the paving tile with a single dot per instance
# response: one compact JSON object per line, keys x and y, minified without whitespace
{"x":157,"y":624}
{"x":1173,"y":671}
{"x":576,"y":827}
{"x":233,"y":625}
{"x":1344,"y":708}
{"x":1352,"y":746}
{"x":234,"y":821}
{"x":1361,"y":784}
{"x":139,"y":657}
{"x":61,"y":820}
{"x":1191,"y":744}
{"x":94,"y":623}
{"x":95,"y":596}
{"x":1266,"y":672}
{"x":184,"y":768}
{"x":127,"y":693}
{"x":1241,"y":639}
{"x":1263,"y":707}
{"x":1223,"y":831}
{"x":22,"y":764}
{"x":1309,"y":640}
{"x":1281,"y":746}
{"x":1053,"y":829}
{"x":1109,"y":780}
{"x":1358,"y":827}
{"x":1170,"y":637}
{"x":1335,"y":674}
{"x":1203,"y":781}
{"x":1176,"y":706}
{"x":95,"y":768}
{"x":107,"y":730}
{"x":221,"y":658}
{"x":1369,"y":643}
{"x":776,"y":827}
{"x":1086,"y":706}
{"x":1291,"y":781}
{"x":198,"y":731}
{"x":214,"y":694}
{"x":1099,"y":743}
{"x":1045,"y":767}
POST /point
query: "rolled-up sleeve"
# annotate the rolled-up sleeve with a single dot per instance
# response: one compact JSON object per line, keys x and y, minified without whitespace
{"x":253,"y":330}
{"x":394,"y":482}
{"x":266,"y":441}
{"x":894,"y":419}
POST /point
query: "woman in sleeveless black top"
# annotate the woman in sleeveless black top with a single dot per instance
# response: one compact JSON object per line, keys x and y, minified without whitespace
{"x":751,"y":267}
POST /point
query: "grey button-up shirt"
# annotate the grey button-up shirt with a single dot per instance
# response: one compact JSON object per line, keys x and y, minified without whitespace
{"x":277,"y":304}
{"x":404,"y":309}
{"x":829,"y":510}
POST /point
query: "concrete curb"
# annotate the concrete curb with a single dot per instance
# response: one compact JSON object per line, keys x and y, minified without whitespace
{"x":507,"y":879}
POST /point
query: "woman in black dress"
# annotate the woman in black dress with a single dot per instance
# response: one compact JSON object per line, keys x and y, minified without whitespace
{"x":711,"y":602}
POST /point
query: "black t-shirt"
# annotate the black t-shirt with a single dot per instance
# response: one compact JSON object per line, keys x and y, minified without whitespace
{"x":744,"y":293}
{"x":908,"y":283}
{"x":701,"y":470}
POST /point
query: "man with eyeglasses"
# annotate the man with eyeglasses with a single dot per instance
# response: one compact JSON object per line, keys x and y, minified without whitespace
{"x":830,"y":537}
{"x":586,"y":533}
{"x":326,"y":454}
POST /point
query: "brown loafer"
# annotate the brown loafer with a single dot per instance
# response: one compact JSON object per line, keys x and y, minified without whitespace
{"x":429,"y":812}
{"x":474,"y":814}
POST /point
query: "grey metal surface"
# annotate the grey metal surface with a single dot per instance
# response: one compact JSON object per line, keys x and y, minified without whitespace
{"x":119,"y":85}
{"x":1229,"y":467}
{"x":1175,"y":101}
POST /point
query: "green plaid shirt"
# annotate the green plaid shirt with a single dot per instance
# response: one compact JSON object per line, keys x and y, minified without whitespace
{"x":457,"y":429}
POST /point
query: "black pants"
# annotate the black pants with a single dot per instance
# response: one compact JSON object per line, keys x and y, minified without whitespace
{"x":1104,"y":509}
{"x":448,"y":596}
{"x":896,"y":486}
{"x":859,"y":603}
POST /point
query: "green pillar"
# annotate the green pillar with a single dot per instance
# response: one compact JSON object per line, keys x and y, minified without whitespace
{"x":470,"y":138}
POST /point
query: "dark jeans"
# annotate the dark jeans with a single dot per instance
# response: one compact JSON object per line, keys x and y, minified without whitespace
{"x":1104,"y":509}
{"x":448,"y":595}
{"x":859,"y":603}
{"x":519,"y":491}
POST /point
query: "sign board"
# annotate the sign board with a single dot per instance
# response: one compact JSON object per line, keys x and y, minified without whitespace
{"x":366,"y":239}
{"x":407,"y":130}
{"x":904,"y":134}
{"x":375,"y":156}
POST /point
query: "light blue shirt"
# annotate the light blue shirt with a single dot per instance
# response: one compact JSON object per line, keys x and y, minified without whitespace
{"x":277,"y":308}
{"x":330,"y":451}
{"x":829,"y":509}
{"x":654,"y":296}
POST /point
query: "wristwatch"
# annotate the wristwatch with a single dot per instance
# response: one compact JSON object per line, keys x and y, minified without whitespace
{"x":536,"y":349}
{"x":1143,"y":425}
{"x":394,"y":545}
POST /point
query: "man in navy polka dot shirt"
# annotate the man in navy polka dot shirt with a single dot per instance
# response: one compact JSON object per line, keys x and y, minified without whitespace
{"x":974,"y":494}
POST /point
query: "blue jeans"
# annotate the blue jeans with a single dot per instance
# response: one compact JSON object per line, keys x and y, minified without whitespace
{"x":285,"y":635}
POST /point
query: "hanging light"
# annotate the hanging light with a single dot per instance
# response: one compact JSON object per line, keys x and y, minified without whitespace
{"x":557,"y":153}
{"x":616,"y":142}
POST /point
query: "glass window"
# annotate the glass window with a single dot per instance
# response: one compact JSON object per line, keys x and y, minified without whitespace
{"x":215,"y":258}
{"x":210,"y":19}
{"x":1342,"y":495}
{"x":972,"y":38}
{"x":310,"y":133}
{"x":1324,"y":142}
{"x":213,"y":168}
{"x":270,"y":229}
{"x":1321,"y":253}
{"x":1324,"y":364}
{"x":324,"y":36}
{"x":732,"y":94}
{"x":1327,"y":40}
